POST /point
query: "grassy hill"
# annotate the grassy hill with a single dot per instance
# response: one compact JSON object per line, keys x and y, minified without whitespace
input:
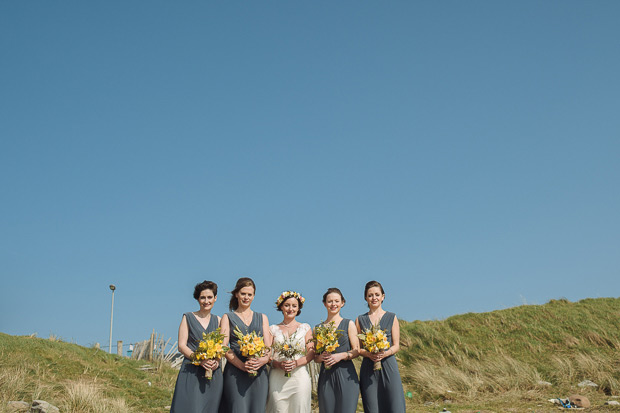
{"x":481,"y":362}
{"x":500,"y":358}
{"x":80,"y":379}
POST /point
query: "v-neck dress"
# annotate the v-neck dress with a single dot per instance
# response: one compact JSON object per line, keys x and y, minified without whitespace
{"x":242,"y":393}
{"x":382,"y":390}
{"x":294,"y":393}
{"x":194,"y":393}
{"x":338,"y":388}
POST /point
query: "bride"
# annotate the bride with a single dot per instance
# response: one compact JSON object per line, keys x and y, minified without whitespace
{"x":290,"y":394}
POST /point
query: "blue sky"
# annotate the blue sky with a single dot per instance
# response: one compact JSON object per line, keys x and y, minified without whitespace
{"x":465,"y":154}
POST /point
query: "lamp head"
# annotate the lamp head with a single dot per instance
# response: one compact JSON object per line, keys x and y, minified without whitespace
{"x":112,"y":287}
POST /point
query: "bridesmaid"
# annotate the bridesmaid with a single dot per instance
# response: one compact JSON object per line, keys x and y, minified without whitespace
{"x":338,"y":387}
{"x":382,"y":390}
{"x":193,"y":393}
{"x":243,"y":393}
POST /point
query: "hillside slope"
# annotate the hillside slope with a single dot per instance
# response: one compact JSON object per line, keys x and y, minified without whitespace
{"x":480,"y":362}
{"x":80,"y":379}
{"x":509,"y":353}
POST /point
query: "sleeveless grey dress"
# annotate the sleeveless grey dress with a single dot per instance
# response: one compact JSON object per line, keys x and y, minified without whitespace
{"x":338,"y":388}
{"x":193,"y":393}
{"x":242,"y":393}
{"x":382,"y":390}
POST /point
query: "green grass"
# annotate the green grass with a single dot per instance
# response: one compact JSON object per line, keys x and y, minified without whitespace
{"x":485,"y":362}
{"x":79,"y":379}
{"x":498,"y":358}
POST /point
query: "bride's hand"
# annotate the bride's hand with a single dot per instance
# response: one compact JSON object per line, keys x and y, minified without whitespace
{"x":289,"y":365}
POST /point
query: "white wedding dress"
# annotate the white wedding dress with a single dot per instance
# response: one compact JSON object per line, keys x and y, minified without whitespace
{"x":289,"y":394}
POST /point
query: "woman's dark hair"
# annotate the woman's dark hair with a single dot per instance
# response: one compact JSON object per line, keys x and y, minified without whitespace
{"x":241,"y":282}
{"x":205,"y":285}
{"x":298,"y":301}
{"x":335,"y":291}
{"x":371,"y":284}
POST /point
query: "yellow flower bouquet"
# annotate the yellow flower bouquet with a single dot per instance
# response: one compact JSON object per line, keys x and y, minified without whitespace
{"x":325,"y":338}
{"x":288,"y":349}
{"x":374,"y":340}
{"x":211,"y":347}
{"x":251,"y":345}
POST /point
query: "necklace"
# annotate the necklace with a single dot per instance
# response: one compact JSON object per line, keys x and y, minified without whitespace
{"x":376,"y":316}
{"x":289,"y":326}
{"x":244,"y":318}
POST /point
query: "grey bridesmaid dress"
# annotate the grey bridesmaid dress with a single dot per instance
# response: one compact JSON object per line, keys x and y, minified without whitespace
{"x":382,"y":390}
{"x":193,"y":393}
{"x":242,"y":393}
{"x":338,"y":388}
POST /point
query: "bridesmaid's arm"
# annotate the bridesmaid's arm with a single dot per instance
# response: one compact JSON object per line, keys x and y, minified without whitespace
{"x":355,"y":342}
{"x":183,"y":334}
{"x":395,"y":338}
{"x":267,"y":336}
{"x":230,"y":355}
{"x":225,"y":329}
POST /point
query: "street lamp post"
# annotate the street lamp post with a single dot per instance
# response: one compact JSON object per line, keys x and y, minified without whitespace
{"x":112,"y":287}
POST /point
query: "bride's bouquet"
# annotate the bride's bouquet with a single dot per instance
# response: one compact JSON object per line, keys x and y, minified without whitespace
{"x":210,"y":347}
{"x":374,"y":340}
{"x":251,"y":345}
{"x":288,"y":349}
{"x":325,"y":338}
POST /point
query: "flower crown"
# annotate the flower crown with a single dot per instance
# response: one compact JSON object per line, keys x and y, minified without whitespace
{"x":289,"y":294}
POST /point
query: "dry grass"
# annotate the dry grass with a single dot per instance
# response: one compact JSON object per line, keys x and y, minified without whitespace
{"x":469,"y":377}
{"x":85,"y":397}
{"x":78,"y":379}
{"x":17,"y":383}
{"x":13,"y":382}
{"x":497,"y":359}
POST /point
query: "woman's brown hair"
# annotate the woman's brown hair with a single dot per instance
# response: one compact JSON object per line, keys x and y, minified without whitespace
{"x":241,"y":282}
